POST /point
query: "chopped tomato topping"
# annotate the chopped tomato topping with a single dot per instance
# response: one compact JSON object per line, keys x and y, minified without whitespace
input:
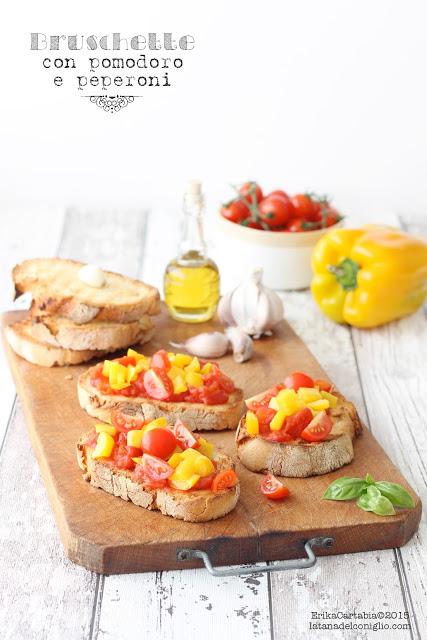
{"x":224,"y":480}
{"x":184,"y":437}
{"x":297,"y":379}
{"x":277,"y":436}
{"x":160,"y":360}
{"x":297,"y":422}
{"x":324,"y":385}
{"x":157,"y":384}
{"x":125,"y":421}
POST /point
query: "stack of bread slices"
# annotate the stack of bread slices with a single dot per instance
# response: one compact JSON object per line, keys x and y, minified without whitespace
{"x":79,"y":312}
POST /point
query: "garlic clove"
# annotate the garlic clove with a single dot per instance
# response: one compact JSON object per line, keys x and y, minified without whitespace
{"x":241,"y":343}
{"x":205,"y":345}
{"x":224,"y":311}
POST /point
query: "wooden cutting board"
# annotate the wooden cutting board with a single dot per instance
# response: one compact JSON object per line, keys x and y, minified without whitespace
{"x":108,"y":535}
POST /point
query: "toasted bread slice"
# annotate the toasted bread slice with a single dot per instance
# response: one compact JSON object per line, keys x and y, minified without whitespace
{"x":191,"y":506}
{"x":197,"y":416}
{"x":109,"y":336}
{"x":300,"y":459}
{"x":57,"y":290}
{"x":25,"y":344}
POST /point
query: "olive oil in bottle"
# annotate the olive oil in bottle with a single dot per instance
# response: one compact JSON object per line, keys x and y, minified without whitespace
{"x":191,"y":282}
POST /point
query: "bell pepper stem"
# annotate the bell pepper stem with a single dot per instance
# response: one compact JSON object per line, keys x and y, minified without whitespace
{"x":346,"y":273}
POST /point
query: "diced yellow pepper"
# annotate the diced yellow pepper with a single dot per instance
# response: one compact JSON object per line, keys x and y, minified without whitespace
{"x":134,"y":354}
{"x":319,"y":405}
{"x":175,"y":459}
{"x":184,"y":485}
{"x":118,"y":376}
{"x":107,"y":428}
{"x":207,"y":368}
{"x":252,"y":424}
{"x":273,"y":404}
{"x":333,"y":400}
{"x":174,"y":372}
{"x":193,"y":379}
{"x":104,"y":446}
{"x":134,"y":438}
{"x":132,"y":373}
{"x":194,"y":365}
{"x":277,"y":422}
{"x":206,"y":448}
{"x":179,"y":385}
{"x":155,"y":424}
{"x":106,"y":368}
{"x":288,"y":401}
{"x":190,"y":453}
{"x":186,"y":468}
{"x":137,"y":460}
{"x":182,"y":359}
{"x":203,"y":466}
{"x":308,"y":394}
{"x":171,"y":356}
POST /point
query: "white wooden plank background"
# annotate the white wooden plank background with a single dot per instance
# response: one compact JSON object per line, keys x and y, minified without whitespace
{"x":45,"y":596}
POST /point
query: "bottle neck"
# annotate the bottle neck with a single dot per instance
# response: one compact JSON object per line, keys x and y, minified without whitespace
{"x":192,"y":243}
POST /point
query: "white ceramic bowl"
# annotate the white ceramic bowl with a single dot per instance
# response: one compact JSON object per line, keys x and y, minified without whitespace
{"x":284,"y":257}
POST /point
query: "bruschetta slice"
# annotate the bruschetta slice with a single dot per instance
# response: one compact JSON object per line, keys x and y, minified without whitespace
{"x":174,"y":385}
{"x":301,"y":428}
{"x":160,"y":467}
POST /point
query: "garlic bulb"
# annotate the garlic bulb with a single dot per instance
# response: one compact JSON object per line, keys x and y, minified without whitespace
{"x":205,"y":345}
{"x":252,"y":307}
{"x":241,"y":343}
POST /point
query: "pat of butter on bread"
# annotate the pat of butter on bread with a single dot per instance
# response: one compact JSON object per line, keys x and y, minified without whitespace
{"x":92,"y":275}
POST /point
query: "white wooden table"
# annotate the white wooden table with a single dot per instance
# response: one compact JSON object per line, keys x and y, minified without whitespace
{"x":43,"y":595}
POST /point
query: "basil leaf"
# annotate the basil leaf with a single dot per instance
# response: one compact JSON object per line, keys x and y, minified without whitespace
{"x":369,"y":479}
{"x":382,"y":506}
{"x":364,"y":502}
{"x":395,"y":493}
{"x":373,"y":491}
{"x":345,"y":489}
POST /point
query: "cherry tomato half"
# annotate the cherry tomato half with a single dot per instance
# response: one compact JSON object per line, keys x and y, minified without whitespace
{"x":127,"y":418}
{"x":249,"y":190}
{"x":297,"y":422}
{"x":160,"y":360}
{"x":297,"y":379}
{"x":318,"y":429}
{"x":224,"y":480}
{"x":157,"y":384}
{"x":159,"y":442}
{"x":273,"y":489}
{"x":184,"y":437}
{"x":235,"y":211}
{"x":324,"y":385}
{"x":276,"y":210}
{"x":204,"y":483}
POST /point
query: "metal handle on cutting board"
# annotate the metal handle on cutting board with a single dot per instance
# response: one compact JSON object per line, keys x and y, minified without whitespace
{"x":302,"y":563}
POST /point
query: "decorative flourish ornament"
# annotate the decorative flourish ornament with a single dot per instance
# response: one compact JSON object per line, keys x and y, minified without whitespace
{"x":112,"y":103}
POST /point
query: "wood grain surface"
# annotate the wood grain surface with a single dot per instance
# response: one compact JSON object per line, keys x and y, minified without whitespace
{"x":108,"y":535}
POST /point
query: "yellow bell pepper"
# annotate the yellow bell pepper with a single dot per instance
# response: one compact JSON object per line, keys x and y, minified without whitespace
{"x":206,"y":448}
{"x":369,"y":276}
{"x":333,"y":400}
{"x":194,"y":365}
{"x":179,"y":385}
{"x":207,"y":368}
{"x":180,"y":359}
{"x":184,"y":484}
{"x":277,"y":422}
{"x":104,"y":446}
{"x":157,"y":423}
{"x":252,"y":424}
{"x":194,"y":379}
{"x":319,"y":405}
{"x":134,"y":438}
{"x":108,"y":428}
{"x":308,"y":394}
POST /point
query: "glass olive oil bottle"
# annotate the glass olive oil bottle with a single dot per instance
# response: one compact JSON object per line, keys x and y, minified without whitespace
{"x":191,"y":281}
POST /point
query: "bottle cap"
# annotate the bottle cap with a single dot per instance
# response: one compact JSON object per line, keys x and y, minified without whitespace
{"x":194,"y":188}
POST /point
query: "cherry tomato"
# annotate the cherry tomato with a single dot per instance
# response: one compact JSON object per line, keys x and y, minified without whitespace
{"x":324,"y":385}
{"x":297,"y":422}
{"x":249,"y":189}
{"x":156,"y":468}
{"x":273,"y":489}
{"x":265,"y":416}
{"x":157,"y":384}
{"x":184,"y":437}
{"x":252,"y":224}
{"x":329,"y":216}
{"x":276,"y":211}
{"x":277,"y":436}
{"x":127,"y":418}
{"x":204,"y":483}
{"x":318,"y":429}
{"x":160,"y":360}
{"x":235,"y":211}
{"x":224,"y":480}
{"x":306,"y":207}
{"x":158,"y":442}
{"x":297,"y":379}
{"x":295,"y":226}
{"x":280,"y":193}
